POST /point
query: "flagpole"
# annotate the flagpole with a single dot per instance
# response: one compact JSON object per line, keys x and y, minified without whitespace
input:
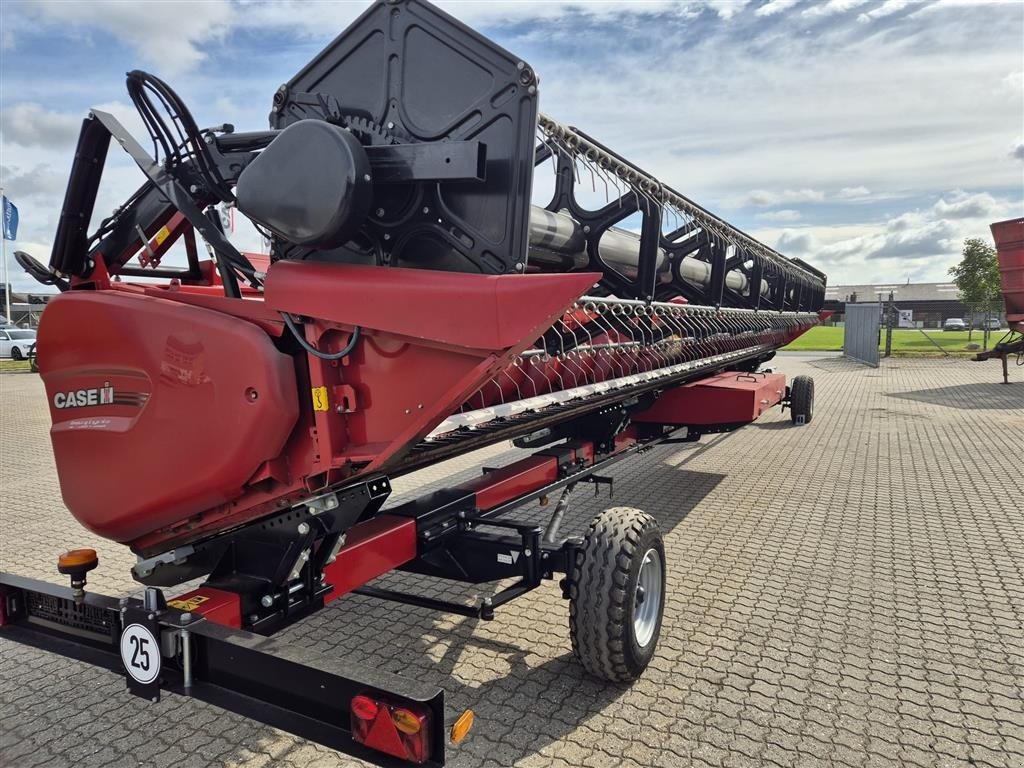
{"x":7,"y":280}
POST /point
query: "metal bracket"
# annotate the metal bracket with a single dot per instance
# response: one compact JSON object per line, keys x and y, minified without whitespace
{"x":598,"y":480}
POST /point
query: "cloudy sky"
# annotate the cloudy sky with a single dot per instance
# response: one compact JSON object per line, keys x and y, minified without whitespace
{"x":869,"y":137}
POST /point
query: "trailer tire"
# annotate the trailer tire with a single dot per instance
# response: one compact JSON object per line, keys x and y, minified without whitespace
{"x":613,"y":634}
{"x":801,"y":399}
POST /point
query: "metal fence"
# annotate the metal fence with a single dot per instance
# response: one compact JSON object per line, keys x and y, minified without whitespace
{"x":861,"y":334}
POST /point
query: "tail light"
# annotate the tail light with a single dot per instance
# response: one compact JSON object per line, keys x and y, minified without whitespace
{"x":398,"y":729}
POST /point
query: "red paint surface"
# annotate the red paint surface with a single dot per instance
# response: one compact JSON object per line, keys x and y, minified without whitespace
{"x":183,"y":432}
{"x":199,"y":457}
{"x":371,"y":549}
{"x":220,"y":607}
{"x":726,"y":398}
{"x":501,"y":485}
{"x":1009,"y":238}
{"x":489,"y":312}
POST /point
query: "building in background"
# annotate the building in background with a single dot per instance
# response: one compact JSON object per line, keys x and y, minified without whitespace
{"x":26,"y":308}
{"x":931,"y":303}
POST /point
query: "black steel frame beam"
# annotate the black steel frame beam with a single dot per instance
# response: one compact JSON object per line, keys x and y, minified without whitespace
{"x":278,"y":684}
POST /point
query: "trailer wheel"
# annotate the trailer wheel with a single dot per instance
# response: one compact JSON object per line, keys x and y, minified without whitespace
{"x":801,"y":399}
{"x":617,"y":594}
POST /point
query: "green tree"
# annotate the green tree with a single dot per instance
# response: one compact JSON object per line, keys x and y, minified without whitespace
{"x":977,"y":276}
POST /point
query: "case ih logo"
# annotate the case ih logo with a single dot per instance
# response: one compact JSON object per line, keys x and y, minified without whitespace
{"x":105,"y":395}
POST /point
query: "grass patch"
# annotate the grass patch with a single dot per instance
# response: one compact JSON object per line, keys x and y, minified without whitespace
{"x":13,"y":365}
{"x":905,"y":342}
{"x":820,"y":338}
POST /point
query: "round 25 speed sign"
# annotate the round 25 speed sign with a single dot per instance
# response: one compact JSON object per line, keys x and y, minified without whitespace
{"x":140,"y":653}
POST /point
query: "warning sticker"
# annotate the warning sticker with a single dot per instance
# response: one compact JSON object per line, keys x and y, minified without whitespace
{"x":162,"y":234}
{"x":320,"y":399}
{"x":189,"y":603}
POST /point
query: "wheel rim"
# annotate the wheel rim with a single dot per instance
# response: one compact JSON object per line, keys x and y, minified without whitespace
{"x":647,"y":598}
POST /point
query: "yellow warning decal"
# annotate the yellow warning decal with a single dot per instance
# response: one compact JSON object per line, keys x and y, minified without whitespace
{"x":161,"y":235}
{"x":320,"y":399}
{"x":189,"y":604}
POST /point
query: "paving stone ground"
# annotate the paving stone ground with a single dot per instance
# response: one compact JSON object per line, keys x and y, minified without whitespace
{"x":849,"y":593}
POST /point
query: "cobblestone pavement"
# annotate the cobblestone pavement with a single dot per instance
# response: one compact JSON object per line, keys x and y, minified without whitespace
{"x":848,"y":593}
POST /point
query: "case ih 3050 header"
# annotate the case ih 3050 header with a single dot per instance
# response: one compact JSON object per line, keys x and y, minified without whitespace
{"x":237,"y":419}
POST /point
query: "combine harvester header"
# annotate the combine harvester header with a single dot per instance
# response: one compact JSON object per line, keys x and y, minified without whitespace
{"x":238,"y":418}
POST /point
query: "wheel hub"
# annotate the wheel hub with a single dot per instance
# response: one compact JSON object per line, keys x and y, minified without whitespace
{"x":647,"y":597}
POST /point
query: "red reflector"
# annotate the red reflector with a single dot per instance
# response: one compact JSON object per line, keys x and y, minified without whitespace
{"x":364,"y":708}
{"x":401,"y":730}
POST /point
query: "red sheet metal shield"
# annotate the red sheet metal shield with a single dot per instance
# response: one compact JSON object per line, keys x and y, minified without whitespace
{"x":1009,"y":237}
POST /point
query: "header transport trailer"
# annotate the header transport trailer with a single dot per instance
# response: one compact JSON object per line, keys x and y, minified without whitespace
{"x":237,"y":419}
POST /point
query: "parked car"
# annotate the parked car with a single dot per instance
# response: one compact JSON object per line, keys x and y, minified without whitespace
{"x":15,"y":342}
{"x":954,"y":324}
{"x":993,"y":324}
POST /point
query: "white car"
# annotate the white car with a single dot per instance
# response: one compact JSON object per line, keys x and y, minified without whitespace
{"x":16,"y":342}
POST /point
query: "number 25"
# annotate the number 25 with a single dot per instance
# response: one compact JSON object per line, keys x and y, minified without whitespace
{"x":140,"y":656}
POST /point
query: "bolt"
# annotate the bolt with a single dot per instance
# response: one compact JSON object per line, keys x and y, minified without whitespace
{"x":519,"y":266}
{"x":266,"y":601}
{"x":426,"y":209}
{"x":367,"y":177}
{"x":528,"y":552}
{"x":586,"y":229}
{"x":380,"y":213}
{"x":387,"y":236}
{"x":186,"y":617}
{"x":193,"y":189}
{"x":151,"y":616}
{"x":521,"y":66}
{"x":391,"y":125}
{"x":303,"y":528}
{"x":407,"y":411}
{"x":253,"y":618}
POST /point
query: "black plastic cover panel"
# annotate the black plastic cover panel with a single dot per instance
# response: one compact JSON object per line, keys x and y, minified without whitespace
{"x":407,"y":72}
{"x":310,"y":186}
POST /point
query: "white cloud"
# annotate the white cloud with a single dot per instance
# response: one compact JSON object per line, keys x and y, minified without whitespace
{"x":175,"y":36}
{"x":726,"y":9}
{"x":783,"y":216}
{"x":831,"y":8}
{"x":773,"y":7}
{"x":961,"y":205}
{"x":922,"y":242}
{"x":1017,"y":150}
{"x":854,"y":193}
{"x":888,"y":8}
{"x":764,"y":198}
{"x":40,"y":181}
{"x":31,"y":125}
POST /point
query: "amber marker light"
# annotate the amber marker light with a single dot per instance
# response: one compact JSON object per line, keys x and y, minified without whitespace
{"x":461,"y":727}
